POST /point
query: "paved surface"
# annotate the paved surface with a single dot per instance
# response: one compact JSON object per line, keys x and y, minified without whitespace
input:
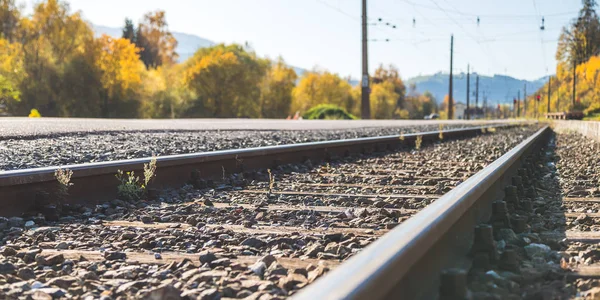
{"x":26,"y":127}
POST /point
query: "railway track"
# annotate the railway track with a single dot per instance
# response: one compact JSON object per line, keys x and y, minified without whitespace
{"x":250,"y":232}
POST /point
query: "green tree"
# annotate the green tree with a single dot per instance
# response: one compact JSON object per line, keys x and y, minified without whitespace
{"x":8,"y":93}
{"x":129,"y":31}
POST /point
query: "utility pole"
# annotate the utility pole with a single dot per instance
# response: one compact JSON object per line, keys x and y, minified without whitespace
{"x":549,"y":83}
{"x":365,"y":105}
{"x":484,"y":105}
{"x":467,"y":114}
{"x":518,"y":103}
{"x":525,"y":100}
{"x":574,"y":83}
{"x":450,"y":100}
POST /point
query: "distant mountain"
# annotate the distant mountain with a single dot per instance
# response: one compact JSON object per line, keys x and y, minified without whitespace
{"x":497,"y":89}
{"x":187,"y":44}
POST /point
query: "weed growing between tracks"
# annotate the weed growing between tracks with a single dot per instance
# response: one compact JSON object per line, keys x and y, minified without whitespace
{"x":64,"y":179}
{"x":131,"y":188}
{"x":418,"y":142}
{"x":271,"y":181}
{"x":441,"y":129}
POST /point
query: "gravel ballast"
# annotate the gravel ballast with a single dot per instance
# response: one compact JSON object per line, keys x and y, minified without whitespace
{"x":93,"y":147}
{"x":216,"y":241}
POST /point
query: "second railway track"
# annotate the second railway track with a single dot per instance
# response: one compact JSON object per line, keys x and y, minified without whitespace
{"x":254,"y":233}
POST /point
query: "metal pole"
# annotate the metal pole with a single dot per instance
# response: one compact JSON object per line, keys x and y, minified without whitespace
{"x":467,"y":114}
{"x":525,"y":100}
{"x":476,"y":93}
{"x":365,"y":107}
{"x":519,"y":104}
{"x":450,"y":100}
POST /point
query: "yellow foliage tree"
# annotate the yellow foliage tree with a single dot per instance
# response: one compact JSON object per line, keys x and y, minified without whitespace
{"x":276,"y":90}
{"x":322,"y":87}
{"x":226,"y":80}
{"x":121,"y":71}
{"x":383,"y":100}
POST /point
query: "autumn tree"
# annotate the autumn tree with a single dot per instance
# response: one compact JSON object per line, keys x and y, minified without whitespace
{"x":322,"y":87}
{"x":581,"y":40}
{"x":50,"y":38}
{"x":383,"y":100}
{"x":10,"y":16}
{"x":226,"y":80}
{"x":276,"y":90}
{"x":156,"y":42}
{"x":8,"y":93}
{"x":391,"y":75}
{"x":121,"y":74}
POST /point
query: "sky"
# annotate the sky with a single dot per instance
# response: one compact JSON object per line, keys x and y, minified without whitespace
{"x":327,"y":33}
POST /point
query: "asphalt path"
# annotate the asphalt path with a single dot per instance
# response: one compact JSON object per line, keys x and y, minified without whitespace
{"x":29,"y":127}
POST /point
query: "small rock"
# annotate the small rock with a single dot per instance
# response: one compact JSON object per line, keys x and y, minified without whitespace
{"x":16,"y":222}
{"x":317,"y":272}
{"x":537,"y":250}
{"x":55,"y":293}
{"x":253,"y":242}
{"x":163,"y":292}
{"x":51,"y":260}
{"x":313,"y":250}
{"x":258,"y":268}
{"x":29,"y":224}
{"x":62,"y":246}
{"x":268,"y":259}
{"x":210,"y":294}
{"x":9,"y":251}
{"x":62,"y":282}
{"x":7,"y":268}
{"x":207,"y":257}
{"x":157,"y":256}
{"x":114,"y":255}
{"x":128,"y":235}
{"x":293,"y":281}
{"x":26,"y":273}
{"x":146,"y":219}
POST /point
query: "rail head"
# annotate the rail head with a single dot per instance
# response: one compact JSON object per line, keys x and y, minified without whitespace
{"x":375,"y":271}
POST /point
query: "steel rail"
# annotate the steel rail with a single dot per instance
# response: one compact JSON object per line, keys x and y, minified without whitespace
{"x":21,"y":190}
{"x":406,"y":262}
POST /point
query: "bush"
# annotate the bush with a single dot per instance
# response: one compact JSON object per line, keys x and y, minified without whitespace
{"x":35,"y":114}
{"x":327,"y":112}
{"x":592,"y":110}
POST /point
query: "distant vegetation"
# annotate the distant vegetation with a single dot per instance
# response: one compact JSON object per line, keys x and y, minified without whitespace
{"x":578,"y":56}
{"x":52,"y":61}
{"x":327,"y":112}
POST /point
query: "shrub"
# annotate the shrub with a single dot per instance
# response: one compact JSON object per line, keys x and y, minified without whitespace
{"x":35,"y":113}
{"x":328,"y":112}
{"x":593,"y":109}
